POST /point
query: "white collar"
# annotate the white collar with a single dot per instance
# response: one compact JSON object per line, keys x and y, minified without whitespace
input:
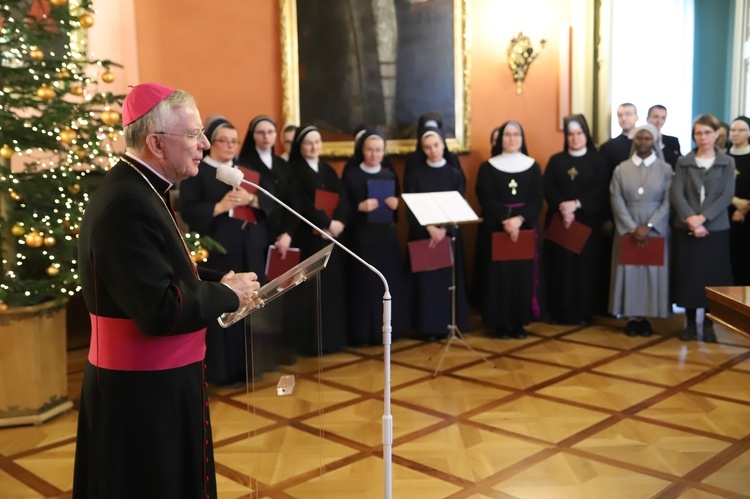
{"x":511,"y":163}
{"x":647,"y":161}
{"x":370,"y":169}
{"x":266,"y":157}
{"x":313,"y":164}
{"x":437,"y":164}
{"x":739,"y":151}
{"x":579,"y":152}
{"x":216,"y":163}
{"x":139,"y":160}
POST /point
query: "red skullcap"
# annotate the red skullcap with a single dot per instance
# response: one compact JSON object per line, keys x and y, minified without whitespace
{"x":142,"y":99}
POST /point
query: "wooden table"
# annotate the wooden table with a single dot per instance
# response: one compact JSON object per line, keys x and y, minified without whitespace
{"x":730,"y":307}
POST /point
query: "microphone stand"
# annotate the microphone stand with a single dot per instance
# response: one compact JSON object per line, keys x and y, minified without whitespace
{"x":234,"y":177}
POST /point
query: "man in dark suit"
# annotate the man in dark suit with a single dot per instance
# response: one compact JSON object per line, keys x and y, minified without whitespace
{"x":617,"y":149}
{"x":657,"y":115}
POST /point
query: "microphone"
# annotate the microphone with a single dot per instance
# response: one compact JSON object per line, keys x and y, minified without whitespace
{"x":235,"y":178}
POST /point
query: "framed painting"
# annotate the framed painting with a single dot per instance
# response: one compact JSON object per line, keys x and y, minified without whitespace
{"x":377,"y":63}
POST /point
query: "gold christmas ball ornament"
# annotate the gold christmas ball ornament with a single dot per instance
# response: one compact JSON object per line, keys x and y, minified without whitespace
{"x":6,"y":152}
{"x":50,"y":241}
{"x":200,"y":255}
{"x":108,"y":76}
{"x":52,"y":271}
{"x":76,"y":89}
{"x":58,"y":3}
{"x":36,"y":54}
{"x":86,"y":20}
{"x":74,"y":189}
{"x":14,"y":195}
{"x":45,"y":92}
{"x":17,"y":230}
{"x":110,"y":117}
{"x":3,"y":307}
{"x":63,"y":73}
{"x":113,"y":135}
{"x":68,"y":135}
{"x":80,"y":152}
{"x":34,"y":239}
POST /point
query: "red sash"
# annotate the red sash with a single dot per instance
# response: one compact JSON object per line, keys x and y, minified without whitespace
{"x":119,"y":345}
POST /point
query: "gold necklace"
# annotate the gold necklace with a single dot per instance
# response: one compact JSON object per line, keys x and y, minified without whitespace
{"x":171,"y":216}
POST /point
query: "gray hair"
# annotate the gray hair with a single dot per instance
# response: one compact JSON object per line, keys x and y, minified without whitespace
{"x":158,"y":119}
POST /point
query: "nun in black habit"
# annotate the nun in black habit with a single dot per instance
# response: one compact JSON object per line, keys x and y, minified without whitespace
{"x":205,"y":203}
{"x":431,"y":120}
{"x":509,"y":189}
{"x":576,"y":185}
{"x":432,"y":296}
{"x":311,"y":174}
{"x":377,"y":243}
{"x":272,"y":226}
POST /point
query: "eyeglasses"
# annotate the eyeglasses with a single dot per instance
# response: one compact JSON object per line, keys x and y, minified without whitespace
{"x":224,"y":140}
{"x":197,"y":134}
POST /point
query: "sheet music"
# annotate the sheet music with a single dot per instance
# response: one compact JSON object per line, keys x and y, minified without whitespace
{"x":432,"y":208}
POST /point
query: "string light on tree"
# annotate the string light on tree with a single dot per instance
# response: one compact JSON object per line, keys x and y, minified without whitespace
{"x":52,"y":106}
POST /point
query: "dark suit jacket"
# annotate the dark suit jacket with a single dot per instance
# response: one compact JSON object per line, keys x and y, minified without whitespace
{"x":671,"y":149}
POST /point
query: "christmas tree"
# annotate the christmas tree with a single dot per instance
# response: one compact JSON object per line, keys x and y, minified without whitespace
{"x":60,"y":120}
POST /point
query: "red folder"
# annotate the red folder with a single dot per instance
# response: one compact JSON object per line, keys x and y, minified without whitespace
{"x":326,"y":201}
{"x":245,"y":212}
{"x":423,"y":258}
{"x":572,"y":238}
{"x":504,"y":249}
{"x":275,"y":266}
{"x":632,"y":253}
{"x":250,"y":176}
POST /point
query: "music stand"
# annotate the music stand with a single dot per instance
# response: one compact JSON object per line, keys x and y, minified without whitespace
{"x":445,"y":208}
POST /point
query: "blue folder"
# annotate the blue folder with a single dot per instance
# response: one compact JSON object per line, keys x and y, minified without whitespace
{"x":380,"y":189}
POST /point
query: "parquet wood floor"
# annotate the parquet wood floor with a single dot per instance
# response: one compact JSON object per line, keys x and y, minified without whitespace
{"x":569,"y":412}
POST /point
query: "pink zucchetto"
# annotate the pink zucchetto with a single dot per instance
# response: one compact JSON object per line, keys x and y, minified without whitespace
{"x":142,"y":99}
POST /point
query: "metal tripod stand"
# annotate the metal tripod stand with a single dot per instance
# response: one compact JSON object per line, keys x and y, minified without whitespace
{"x":454,"y":333}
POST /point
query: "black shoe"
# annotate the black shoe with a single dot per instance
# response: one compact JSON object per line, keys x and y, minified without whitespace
{"x":689,"y":333}
{"x":644,"y":328}
{"x":632,"y":328}
{"x":709,"y":336}
{"x":503,"y":333}
{"x":519,"y":333}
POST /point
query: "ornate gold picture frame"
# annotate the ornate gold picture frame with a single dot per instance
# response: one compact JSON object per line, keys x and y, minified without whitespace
{"x":378,"y":63}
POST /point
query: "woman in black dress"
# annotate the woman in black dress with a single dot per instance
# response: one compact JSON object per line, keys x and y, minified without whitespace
{"x":314,"y":179}
{"x":376,"y":241}
{"x":432,"y":294}
{"x":739,"y":132}
{"x":701,"y":193}
{"x":576,"y":188}
{"x":509,"y":189}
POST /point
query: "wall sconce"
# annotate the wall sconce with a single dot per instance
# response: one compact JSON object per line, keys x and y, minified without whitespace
{"x":520,"y":56}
